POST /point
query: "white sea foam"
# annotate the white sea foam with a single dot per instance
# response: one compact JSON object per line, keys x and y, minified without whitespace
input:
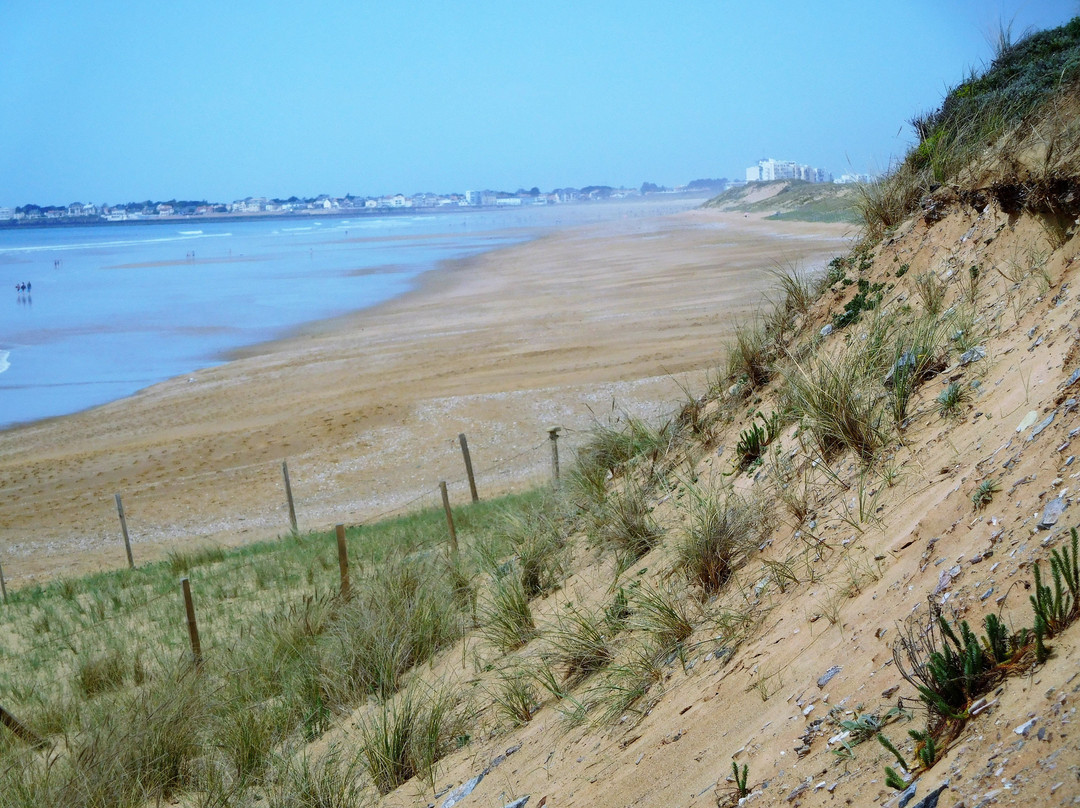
{"x":191,"y":232}
{"x":119,"y":243}
{"x":4,"y":363}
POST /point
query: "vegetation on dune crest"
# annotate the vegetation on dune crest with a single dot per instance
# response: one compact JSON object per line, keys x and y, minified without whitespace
{"x":980,"y":125}
{"x":793,"y":200}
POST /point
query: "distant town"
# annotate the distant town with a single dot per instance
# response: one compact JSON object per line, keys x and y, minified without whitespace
{"x":83,"y":213}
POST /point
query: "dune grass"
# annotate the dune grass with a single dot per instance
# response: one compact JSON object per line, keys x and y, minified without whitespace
{"x":581,"y":643}
{"x":625,"y":525}
{"x":100,"y":664}
{"x":977,"y":124}
{"x":506,"y":619}
{"x":839,"y":406}
{"x":719,"y":533}
{"x":408,"y":736}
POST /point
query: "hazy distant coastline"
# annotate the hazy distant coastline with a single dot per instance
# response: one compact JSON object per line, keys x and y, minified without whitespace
{"x":97,"y":221}
{"x":64,"y":218}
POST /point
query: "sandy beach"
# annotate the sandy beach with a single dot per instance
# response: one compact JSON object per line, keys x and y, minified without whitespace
{"x":614,"y":316}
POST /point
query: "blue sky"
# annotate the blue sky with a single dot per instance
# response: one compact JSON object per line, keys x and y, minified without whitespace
{"x":112,"y":101}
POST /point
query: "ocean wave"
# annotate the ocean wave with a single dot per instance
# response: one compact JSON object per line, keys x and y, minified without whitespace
{"x":119,"y":243}
{"x":386,"y":222}
{"x":191,"y":232}
{"x":4,"y":363}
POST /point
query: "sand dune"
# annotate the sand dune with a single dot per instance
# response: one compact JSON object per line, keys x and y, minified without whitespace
{"x":367,"y":408}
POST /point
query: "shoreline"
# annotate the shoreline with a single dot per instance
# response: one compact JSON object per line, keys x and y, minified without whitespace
{"x":339,"y":213}
{"x":427,"y":281}
{"x":468,"y":230}
{"x":367,"y":407}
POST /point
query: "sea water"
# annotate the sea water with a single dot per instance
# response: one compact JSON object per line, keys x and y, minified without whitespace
{"x":112,"y":309}
{"x":115,"y":308}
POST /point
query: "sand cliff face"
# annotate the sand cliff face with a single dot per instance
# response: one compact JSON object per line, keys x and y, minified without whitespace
{"x":824,"y":598}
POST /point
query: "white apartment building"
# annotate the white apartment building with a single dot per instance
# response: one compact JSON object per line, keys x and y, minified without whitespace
{"x":844,"y":179}
{"x":769,"y":170}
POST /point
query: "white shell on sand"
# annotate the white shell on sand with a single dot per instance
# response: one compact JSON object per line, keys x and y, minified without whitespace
{"x":1029,"y":419}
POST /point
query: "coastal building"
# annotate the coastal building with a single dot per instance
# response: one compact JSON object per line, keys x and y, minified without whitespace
{"x":426,"y":200}
{"x":769,"y":170}
{"x":249,"y":205}
{"x":845,"y":179}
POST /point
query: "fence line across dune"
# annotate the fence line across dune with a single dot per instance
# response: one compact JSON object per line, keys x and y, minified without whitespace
{"x":66,"y":640}
{"x":489,"y":472}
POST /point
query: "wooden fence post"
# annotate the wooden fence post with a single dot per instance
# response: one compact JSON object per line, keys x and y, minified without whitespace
{"x":192,"y":626}
{"x":288,"y":495}
{"x":449,"y":518}
{"x":3,"y":583}
{"x":123,"y":527}
{"x":468,"y":467}
{"x":343,"y":561}
{"x":19,"y":729}
{"x":553,"y":433}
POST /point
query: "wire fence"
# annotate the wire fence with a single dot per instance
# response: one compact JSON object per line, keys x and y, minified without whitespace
{"x":507,"y":469}
{"x":73,"y":638}
{"x":536,"y":463}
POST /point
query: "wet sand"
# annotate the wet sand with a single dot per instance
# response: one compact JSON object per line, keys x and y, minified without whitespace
{"x":367,"y":408}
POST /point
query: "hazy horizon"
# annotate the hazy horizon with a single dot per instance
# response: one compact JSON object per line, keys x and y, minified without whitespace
{"x":117,"y":102}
